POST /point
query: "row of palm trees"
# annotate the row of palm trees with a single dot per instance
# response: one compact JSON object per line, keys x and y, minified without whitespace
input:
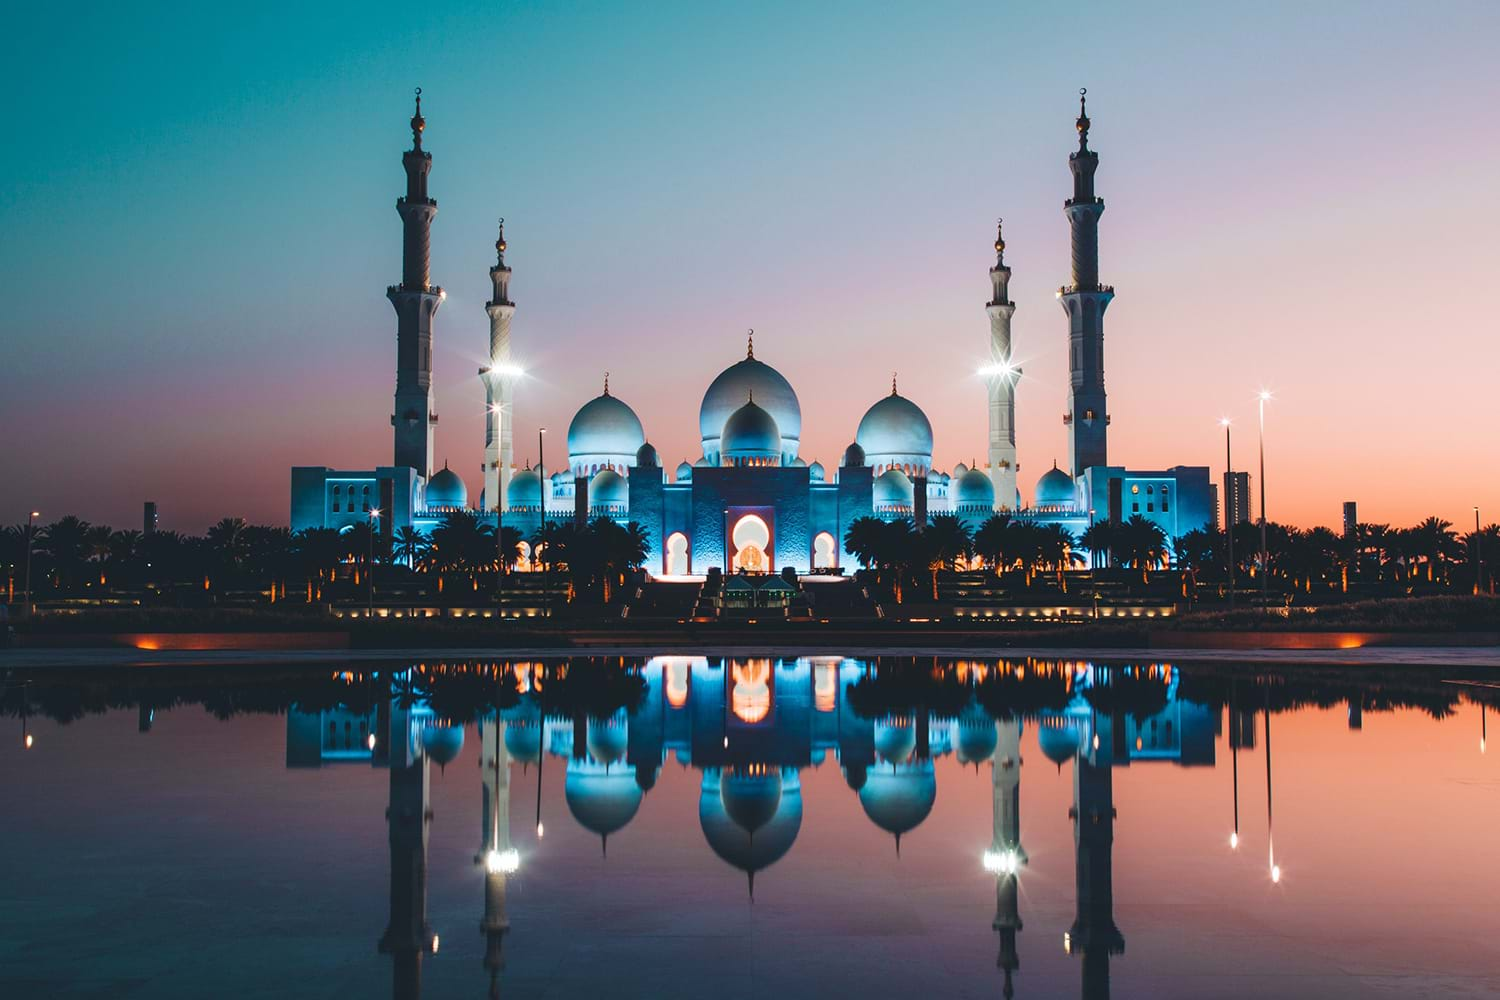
{"x":72,"y":558}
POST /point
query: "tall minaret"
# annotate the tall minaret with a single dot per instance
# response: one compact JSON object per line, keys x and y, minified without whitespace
{"x":416,"y":301}
{"x":498,"y":381}
{"x":1094,"y":934}
{"x":496,"y":854}
{"x":1003,"y":376}
{"x":1085,"y":301}
{"x":407,"y":936}
{"x":1005,"y":846}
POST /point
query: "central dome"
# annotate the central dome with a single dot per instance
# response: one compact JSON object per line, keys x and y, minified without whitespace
{"x":976,"y":490}
{"x":896,"y":432}
{"x":739,"y":382}
{"x":751,"y":436}
{"x":604,"y":433}
{"x":1055,"y":488}
{"x":445,"y":491}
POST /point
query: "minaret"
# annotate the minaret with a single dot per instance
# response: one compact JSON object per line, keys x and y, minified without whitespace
{"x":1005,"y":846}
{"x":1003,"y":376}
{"x":498,"y":381}
{"x":416,"y":301}
{"x":496,"y":853}
{"x":407,"y":936}
{"x":1085,"y":301}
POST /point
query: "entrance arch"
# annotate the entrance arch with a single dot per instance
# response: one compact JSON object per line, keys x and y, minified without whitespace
{"x":677,"y":554}
{"x":752,"y":543}
{"x":825,"y":551}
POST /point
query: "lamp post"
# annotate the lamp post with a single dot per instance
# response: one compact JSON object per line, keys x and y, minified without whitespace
{"x":499,"y":524}
{"x":1229,"y":513}
{"x":1477,"y":555}
{"x":30,"y":535}
{"x":1264,"y":398}
{"x":370,"y":566}
{"x":541,"y":459}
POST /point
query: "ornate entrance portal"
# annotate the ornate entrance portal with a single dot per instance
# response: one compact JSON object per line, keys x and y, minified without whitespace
{"x":751,"y":538}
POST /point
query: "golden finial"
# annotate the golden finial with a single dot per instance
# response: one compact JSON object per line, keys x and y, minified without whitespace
{"x":606,"y":383}
{"x":999,"y":236}
{"x":1083,"y":118}
{"x":500,"y":243}
{"x":750,"y":344}
{"x":418,"y":123}
{"x":893,"y":383}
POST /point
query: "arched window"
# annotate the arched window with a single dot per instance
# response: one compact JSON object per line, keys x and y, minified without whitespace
{"x":677,"y":554}
{"x":825,"y":551}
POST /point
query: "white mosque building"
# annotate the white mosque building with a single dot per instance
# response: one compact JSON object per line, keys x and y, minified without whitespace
{"x":752,"y":501}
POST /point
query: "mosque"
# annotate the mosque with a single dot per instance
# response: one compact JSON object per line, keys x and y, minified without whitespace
{"x":752,"y":502}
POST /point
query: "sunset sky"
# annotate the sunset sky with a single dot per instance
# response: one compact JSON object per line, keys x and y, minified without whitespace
{"x":198,"y":209}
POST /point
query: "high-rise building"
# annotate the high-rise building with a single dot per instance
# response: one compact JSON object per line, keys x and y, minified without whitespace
{"x":1236,"y":498}
{"x":1351,"y":517}
{"x":148,"y":518}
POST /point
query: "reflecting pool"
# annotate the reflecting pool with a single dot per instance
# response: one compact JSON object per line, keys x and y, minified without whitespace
{"x":742,"y":827}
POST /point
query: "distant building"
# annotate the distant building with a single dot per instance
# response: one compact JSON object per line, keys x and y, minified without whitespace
{"x":148,"y":518}
{"x":751,"y":501}
{"x":1236,"y":498}
{"x":1351,"y":517}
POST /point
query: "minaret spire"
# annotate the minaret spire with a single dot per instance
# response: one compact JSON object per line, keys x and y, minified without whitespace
{"x":1085,"y":301}
{"x":893,"y":383}
{"x":499,"y":384}
{"x":1002,"y":377}
{"x":416,"y":301}
{"x":750,"y":345}
{"x":606,"y":383}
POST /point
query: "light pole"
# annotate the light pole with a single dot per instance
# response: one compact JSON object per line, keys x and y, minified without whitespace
{"x":499,"y":523}
{"x":370,"y":565}
{"x":541,"y":460}
{"x":30,"y":535}
{"x":1478,"y":555}
{"x":1229,"y":513}
{"x":1264,"y":398}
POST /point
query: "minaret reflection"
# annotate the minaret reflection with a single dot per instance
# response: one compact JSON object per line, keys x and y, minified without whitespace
{"x":499,"y":858}
{"x":1006,"y":857}
{"x":1094,"y":935}
{"x":407,"y":937}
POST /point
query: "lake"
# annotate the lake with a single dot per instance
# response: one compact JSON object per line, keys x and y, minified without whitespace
{"x":732,"y":827}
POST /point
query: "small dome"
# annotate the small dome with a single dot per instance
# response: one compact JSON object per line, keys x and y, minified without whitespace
{"x":1058,"y":738}
{"x":977,"y":735}
{"x":445,"y":490}
{"x":1055,"y":488}
{"x":959,"y":470}
{"x":608,"y":489}
{"x":738,"y":383}
{"x":645,"y":777}
{"x":604,"y":428}
{"x":703,"y":463}
{"x":855,"y":776}
{"x":892,"y":488}
{"x":854,"y":456}
{"x":895,"y":738}
{"x":751,"y":799}
{"x":976,"y":490}
{"x":685,"y":472}
{"x":898,"y":798}
{"x":523,"y":739}
{"x":896,"y":431}
{"x":772,"y":838}
{"x":607,"y":738}
{"x":645,"y":457}
{"x":943,"y":479}
{"x":442,"y":743}
{"x":815,"y":472}
{"x":750,"y":433}
{"x":525,"y":489}
{"x":796,"y":463}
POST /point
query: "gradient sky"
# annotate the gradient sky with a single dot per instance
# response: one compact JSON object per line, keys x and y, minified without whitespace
{"x":198,"y":208}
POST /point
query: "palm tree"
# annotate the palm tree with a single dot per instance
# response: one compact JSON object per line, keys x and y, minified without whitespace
{"x":1484,"y":548}
{"x":65,"y":543}
{"x":1141,"y":544}
{"x":229,"y":544}
{"x":992,"y":542}
{"x":409,"y":545}
{"x":950,"y":540}
{"x":862,"y":539}
{"x":1434,"y":543}
{"x":1099,"y":538}
{"x":12,"y":556}
{"x":1057,"y":551}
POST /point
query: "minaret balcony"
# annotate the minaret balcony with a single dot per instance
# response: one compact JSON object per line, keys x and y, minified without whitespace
{"x":1095,"y":289}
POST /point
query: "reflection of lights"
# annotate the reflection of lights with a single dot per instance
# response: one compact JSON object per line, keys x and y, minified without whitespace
{"x":1001,"y":862}
{"x":825,"y":688}
{"x":751,"y":698}
{"x":434,"y":944}
{"x":677,"y":683}
{"x":1234,"y":841}
{"x":1096,"y":741}
{"x":506,"y":862}
{"x":1067,"y":943}
{"x":539,"y":831}
{"x":370,"y":741}
{"x":1275,"y":873}
{"x":30,"y":741}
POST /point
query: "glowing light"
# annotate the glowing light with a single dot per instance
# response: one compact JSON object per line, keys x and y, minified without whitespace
{"x":1275,"y":873}
{"x":1067,"y":943}
{"x":30,"y":741}
{"x":1000,"y":369}
{"x":508,"y":370}
{"x":370,"y":741}
{"x":1001,"y":862}
{"x":1234,"y":841}
{"x":434,"y":944}
{"x":1224,"y":421}
{"x":506,"y":862}
{"x":539,"y":831}
{"x":1265,"y":396}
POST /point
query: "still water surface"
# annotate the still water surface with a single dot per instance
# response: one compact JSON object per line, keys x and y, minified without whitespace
{"x":788,"y":827}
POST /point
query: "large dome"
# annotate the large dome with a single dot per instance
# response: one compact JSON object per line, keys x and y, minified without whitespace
{"x":446,"y":491}
{"x":604,"y":432}
{"x":898,"y":798}
{"x":750,"y":851}
{"x":895,"y":431}
{"x":525,"y":490}
{"x":892,"y":488}
{"x":608,"y":489}
{"x":602,"y":802}
{"x":750,"y":436}
{"x":1055,"y":488}
{"x":1058,"y":738}
{"x":740,"y":382}
{"x":975,"y":490}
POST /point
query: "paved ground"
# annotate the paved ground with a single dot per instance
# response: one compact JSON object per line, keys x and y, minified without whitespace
{"x":1384,"y":656}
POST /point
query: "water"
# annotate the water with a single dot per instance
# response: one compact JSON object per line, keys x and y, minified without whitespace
{"x":203,"y":832}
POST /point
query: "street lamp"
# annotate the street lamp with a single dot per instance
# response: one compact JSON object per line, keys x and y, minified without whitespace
{"x":1264,"y":398}
{"x":370,"y":565}
{"x":1229,"y":513}
{"x":1477,"y":555}
{"x":31,"y":534}
{"x":541,"y":459}
{"x":499,"y":520}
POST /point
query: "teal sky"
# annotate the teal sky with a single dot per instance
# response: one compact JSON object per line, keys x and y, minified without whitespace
{"x":198,"y":208}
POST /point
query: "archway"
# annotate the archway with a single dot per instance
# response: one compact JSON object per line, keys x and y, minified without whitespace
{"x":677,"y":554}
{"x":752,"y":541}
{"x":825,"y":551}
{"x":523,"y":563}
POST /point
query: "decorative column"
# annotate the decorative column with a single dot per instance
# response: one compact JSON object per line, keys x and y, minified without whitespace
{"x":1085,"y":301}
{"x":1002,"y":377}
{"x":499,"y":383}
{"x":416,"y":302}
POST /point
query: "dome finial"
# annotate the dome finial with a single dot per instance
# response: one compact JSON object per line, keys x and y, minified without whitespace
{"x":500,"y":243}
{"x":893,"y":383}
{"x":418,"y":123}
{"x":750,"y":345}
{"x":1000,"y":240}
{"x":751,"y":394}
{"x":606,"y":383}
{"x":1083,"y":120}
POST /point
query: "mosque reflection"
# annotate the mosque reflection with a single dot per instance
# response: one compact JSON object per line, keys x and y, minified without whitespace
{"x":748,"y":727}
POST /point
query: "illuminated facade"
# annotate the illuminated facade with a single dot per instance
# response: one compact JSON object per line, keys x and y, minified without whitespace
{"x":751,"y":501}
